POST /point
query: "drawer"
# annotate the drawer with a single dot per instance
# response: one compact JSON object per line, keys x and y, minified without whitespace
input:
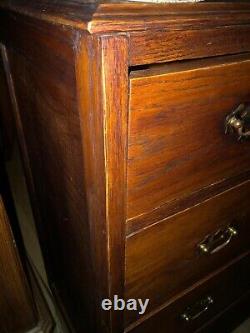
{"x":170,"y":256}
{"x":176,"y":141}
{"x":202,"y":303}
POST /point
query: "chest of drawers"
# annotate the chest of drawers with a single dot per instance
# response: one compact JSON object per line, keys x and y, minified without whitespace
{"x":133,"y":121}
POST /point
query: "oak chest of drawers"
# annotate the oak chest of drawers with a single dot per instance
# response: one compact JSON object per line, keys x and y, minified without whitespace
{"x":133,"y":120}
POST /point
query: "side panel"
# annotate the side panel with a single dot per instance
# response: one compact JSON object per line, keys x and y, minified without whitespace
{"x":41,"y":75}
{"x":71,"y":116}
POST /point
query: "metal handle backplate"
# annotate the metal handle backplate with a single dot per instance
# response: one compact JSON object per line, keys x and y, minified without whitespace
{"x":238,"y":122}
{"x":197,"y":309}
{"x":217,"y":241}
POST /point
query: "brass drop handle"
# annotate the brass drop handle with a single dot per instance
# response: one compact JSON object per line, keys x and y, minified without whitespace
{"x":196,"y":310}
{"x":238,"y":122}
{"x":215,"y":242}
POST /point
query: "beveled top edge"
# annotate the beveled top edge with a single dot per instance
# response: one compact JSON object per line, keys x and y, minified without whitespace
{"x":112,"y":16}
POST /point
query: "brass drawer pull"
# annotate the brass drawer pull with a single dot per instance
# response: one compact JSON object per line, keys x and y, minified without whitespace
{"x":238,"y":122}
{"x":196,"y":310}
{"x":214,"y":243}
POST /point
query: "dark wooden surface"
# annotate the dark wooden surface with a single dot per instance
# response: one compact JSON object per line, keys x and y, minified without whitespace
{"x":17,"y":312}
{"x":163,"y":260}
{"x":176,"y":142}
{"x":112,"y":16}
{"x":17,"y":309}
{"x":162,"y":45}
{"x":170,"y":208}
{"x":43,"y":84}
{"x":230,"y":318}
{"x":225,"y":287}
{"x":88,"y":90}
{"x":67,"y":70}
{"x":102,"y":89}
{"x":48,"y":85}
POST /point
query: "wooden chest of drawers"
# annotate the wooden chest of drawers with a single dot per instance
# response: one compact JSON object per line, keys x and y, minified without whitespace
{"x":133,"y":120}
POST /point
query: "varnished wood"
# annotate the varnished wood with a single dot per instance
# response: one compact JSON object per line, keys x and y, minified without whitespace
{"x":230,"y":318}
{"x":109,"y":16}
{"x":164,"y":45}
{"x":25,"y":64}
{"x":142,"y":221}
{"x":92,"y":127}
{"x":164,"y":259}
{"x":115,"y":95}
{"x":91,"y":105}
{"x":53,"y":108}
{"x":16,"y":306}
{"x":225,"y":287}
{"x":37,"y":68}
{"x":104,"y":128}
{"x":177,"y":143}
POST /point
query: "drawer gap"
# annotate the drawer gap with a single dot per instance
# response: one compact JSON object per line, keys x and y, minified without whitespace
{"x":140,"y":71}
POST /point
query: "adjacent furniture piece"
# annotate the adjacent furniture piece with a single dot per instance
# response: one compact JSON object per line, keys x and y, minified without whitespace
{"x":16,"y":312}
{"x":23,"y":307}
{"x":17,"y":309}
{"x":134,"y":119}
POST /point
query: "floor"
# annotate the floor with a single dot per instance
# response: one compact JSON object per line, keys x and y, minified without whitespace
{"x":244,"y":328}
{"x":28,"y":229}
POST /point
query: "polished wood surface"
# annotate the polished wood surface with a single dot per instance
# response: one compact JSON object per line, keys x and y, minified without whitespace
{"x":165,"y":259}
{"x":97,"y":16}
{"x":170,"y":208}
{"x":46,"y":109}
{"x":91,"y":103}
{"x":230,"y":318}
{"x":225,"y":287}
{"x":104,"y":128}
{"x":176,"y":142}
{"x":16,"y":306}
{"x":155,"y":46}
{"x":73,"y":233}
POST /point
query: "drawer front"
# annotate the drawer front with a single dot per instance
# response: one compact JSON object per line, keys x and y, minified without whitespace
{"x":202,"y":303}
{"x":165,"y":45}
{"x":166,"y":258}
{"x":176,"y":141}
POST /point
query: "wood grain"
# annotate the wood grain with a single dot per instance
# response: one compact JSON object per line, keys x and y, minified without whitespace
{"x":16,"y":307}
{"x":88,"y":65}
{"x":164,"y":259}
{"x":114,"y":16}
{"x":226,"y":286}
{"x":163,"y":45}
{"x":140,"y":222}
{"x":43,"y":86}
{"x":176,"y":139}
{"x":115,"y":64}
{"x":103,"y":84}
{"x":68,"y":71}
{"x":50,"y":91}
